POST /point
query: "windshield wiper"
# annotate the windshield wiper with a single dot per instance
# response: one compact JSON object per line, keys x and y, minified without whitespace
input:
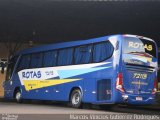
{"x":140,"y":53}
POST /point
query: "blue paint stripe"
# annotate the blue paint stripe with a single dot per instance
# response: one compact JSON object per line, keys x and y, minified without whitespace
{"x":74,"y":72}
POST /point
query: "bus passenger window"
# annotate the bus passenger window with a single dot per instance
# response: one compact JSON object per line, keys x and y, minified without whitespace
{"x":82,"y":55}
{"x":65,"y":57}
{"x":50,"y":58}
{"x":102,"y":51}
{"x":36,"y":60}
{"x":24,"y":62}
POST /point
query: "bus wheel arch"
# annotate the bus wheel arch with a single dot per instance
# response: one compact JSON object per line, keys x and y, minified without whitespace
{"x":75,"y":97}
{"x":18,"y":94}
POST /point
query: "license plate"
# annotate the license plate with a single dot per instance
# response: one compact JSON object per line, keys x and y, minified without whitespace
{"x":139,"y":98}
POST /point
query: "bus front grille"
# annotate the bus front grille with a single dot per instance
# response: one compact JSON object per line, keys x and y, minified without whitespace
{"x":104,"y":89}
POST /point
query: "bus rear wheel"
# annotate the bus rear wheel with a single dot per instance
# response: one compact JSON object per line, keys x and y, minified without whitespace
{"x":18,"y":96}
{"x":76,"y":99}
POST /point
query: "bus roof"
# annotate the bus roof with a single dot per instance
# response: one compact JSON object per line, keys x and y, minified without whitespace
{"x":63,"y":45}
{"x":72,"y":44}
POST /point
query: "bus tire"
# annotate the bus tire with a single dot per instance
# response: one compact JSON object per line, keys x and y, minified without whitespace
{"x":76,"y":99}
{"x":18,"y":96}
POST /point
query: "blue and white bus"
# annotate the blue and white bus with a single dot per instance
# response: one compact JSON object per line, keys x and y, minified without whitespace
{"x":112,"y":69}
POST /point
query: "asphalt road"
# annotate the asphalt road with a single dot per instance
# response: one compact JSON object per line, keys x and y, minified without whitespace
{"x":38,"y":110}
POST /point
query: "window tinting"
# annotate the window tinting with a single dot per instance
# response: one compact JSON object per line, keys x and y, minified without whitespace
{"x":65,"y":57}
{"x":102,"y":51}
{"x":36,"y":60}
{"x":77,"y":55}
{"x":50,"y":58}
{"x":24,"y":62}
{"x":82,"y":54}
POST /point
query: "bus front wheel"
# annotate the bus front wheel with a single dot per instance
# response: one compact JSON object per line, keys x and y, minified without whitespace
{"x":18,"y":96}
{"x":76,"y":98}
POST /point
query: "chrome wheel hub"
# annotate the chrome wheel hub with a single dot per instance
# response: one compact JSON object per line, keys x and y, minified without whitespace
{"x":76,"y":98}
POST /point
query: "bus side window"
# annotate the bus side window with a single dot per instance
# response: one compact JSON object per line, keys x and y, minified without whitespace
{"x":50,"y":58}
{"x":36,"y":60}
{"x":82,"y":54}
{"x":65,"y":57}
{"x":24,"y":62}
{"x":102,"y":51}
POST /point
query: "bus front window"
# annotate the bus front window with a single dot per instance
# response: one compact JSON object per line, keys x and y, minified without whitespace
{"x":144,"y":49}
{"x":10,"y":68}
{"x":135,"y":45}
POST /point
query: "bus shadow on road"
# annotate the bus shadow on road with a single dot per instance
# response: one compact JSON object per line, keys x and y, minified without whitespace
{"x":145,"y":110}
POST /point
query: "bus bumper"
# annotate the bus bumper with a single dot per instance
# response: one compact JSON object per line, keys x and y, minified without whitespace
{"x":138,"y":99}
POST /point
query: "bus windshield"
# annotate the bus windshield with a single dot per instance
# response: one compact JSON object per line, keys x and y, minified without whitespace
{"x":10,"y":67}
{"x":138,"y":46}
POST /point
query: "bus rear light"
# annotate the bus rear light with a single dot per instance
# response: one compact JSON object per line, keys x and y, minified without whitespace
{"x":119,"y":82}
{"x":155,"y":87}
